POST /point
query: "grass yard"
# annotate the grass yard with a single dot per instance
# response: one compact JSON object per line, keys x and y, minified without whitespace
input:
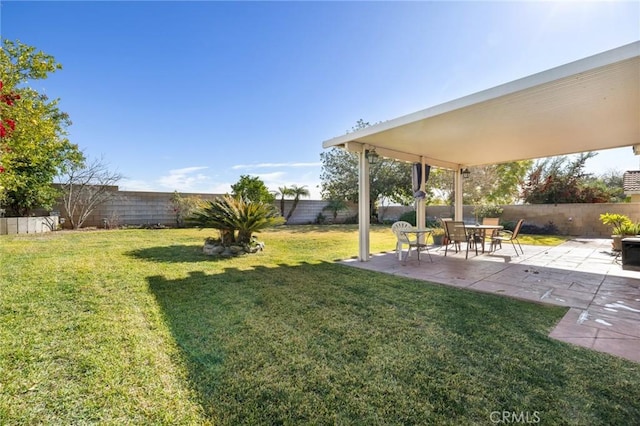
{"x":138,"y":327}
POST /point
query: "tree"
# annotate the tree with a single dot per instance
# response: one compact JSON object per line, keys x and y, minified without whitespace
{"x":84,"y":188}
{"x":556,"y":180}
{"x":37,"y":149}
{"x":236,"y":214}
{"x":297,"y":192}
{"x":486,"y":185}
{"x":252,"y":188}
{"x":496,"y":183}
{"x":389,"y":179}
{"x":183,"y":207}
{"x":335,"y":206}
{"x":610,"y":183}
{"x":283,"y":192}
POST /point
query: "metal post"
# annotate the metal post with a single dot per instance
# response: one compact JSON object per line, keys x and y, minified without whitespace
{"x":363,"y":206}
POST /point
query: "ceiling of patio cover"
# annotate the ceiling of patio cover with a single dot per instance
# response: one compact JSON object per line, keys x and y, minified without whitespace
{"x":591,"y":104}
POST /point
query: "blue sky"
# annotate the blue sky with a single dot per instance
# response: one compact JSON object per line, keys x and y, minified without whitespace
{"x":189,"y":96}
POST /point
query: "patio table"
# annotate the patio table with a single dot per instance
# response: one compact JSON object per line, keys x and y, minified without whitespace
{"x":422,"y":234}
{"x":481,"y":230}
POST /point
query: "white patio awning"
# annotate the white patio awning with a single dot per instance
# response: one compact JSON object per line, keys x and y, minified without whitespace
{"x":587,"y":105}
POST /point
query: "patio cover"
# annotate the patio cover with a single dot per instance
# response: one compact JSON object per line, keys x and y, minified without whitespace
{"x":587,"y":105}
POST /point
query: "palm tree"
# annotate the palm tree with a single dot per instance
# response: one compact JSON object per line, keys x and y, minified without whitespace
{"x":283,"y":192}
{"x":297,"y":192}
{"x":334,"y":205}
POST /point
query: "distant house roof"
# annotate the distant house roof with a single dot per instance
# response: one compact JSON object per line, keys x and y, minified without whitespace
{"x":631,"y":182}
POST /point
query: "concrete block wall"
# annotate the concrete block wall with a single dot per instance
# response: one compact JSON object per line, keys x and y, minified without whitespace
{"x":28,"y":225}
{"x":150,"y":208}
{"x":307,"y":211}
{"x":137,"y":208}
{"x":570,"y":219}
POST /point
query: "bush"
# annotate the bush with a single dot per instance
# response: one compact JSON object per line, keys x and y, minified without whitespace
{"x":409,"y":216}
{"x":351,"y":220}
{"x":491,"y":210}
{"x":532,"y":229}
{"x":320,"y":219}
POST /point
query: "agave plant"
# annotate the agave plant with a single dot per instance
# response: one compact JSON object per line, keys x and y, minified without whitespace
{"x":233,"y":214}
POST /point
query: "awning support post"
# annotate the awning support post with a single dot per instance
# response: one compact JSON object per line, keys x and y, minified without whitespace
{"x":457,"y":182}
{"x":420,"y":204}
{"x":363,"y":206}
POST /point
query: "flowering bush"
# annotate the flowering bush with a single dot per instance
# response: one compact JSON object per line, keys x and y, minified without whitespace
{"x":7,"y":125}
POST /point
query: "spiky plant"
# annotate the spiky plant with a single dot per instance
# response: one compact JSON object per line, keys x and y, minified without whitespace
{"x":230,"y":214}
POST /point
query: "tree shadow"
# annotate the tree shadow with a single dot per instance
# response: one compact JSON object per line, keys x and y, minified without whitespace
{"x":334,"y":228}
{"x":217,"y":322}
{"x":294,"y":344}
{"x":172,"y":254}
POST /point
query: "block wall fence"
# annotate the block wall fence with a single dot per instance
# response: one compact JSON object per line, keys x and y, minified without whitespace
{"x":151,"y":208}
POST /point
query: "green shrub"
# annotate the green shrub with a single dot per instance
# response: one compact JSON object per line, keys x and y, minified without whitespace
{"x":549,"y":228}
{"x":409,"y":216}
{"x":490,"y":210}
{"x":619,"y":222}
{"x":628,"y":228}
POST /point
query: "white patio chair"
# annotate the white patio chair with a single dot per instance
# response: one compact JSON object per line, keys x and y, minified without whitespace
{"x":402,"y":239}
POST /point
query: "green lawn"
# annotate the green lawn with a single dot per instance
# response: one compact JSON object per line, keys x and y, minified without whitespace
{"x":138,"y":327}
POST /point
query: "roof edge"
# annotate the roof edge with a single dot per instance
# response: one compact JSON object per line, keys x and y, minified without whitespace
{"x":609,"y":57}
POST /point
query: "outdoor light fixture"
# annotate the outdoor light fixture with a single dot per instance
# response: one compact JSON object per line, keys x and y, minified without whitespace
{"x":371,"y":155}
{"x":465,"y":173}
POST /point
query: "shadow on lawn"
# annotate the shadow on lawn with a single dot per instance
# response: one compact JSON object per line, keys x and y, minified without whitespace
{"x":174,"y":253}
{"x":323,"y":343}
{"x":220,"y":322}
{"x":347,"y":229}
{"x":315,"y":228}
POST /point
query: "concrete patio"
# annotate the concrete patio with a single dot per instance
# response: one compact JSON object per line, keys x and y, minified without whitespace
{"x":582,"y":274}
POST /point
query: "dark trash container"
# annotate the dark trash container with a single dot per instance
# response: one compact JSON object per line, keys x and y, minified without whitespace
{"x":631,"y":253}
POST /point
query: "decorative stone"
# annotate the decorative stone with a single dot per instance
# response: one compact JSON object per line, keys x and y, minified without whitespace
{"x":214,"y":247}
{"x":236,"y":249}
{"x":211,"y":250}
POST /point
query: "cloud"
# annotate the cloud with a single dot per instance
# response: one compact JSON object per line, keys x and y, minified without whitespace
{"x":185,"y":179}
{"x":186,"y":170}
{"x":271,"y":177}
{"x":135,"y":185}
{"x":273,"y":165}
{"x":219,"y":188}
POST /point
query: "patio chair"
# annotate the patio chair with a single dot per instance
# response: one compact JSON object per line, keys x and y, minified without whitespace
{"x":445,"y":239}
{"x":402,"y":239}
{"x":457,"y":234}
{"x":491,"y":221}
{"x":506,"y":235}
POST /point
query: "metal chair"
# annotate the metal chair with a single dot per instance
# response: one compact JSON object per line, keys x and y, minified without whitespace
{"x":507,"y":235}
{"x":457,"y":233}
{"x":445,"y":239}
{"x":490,"y":221}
